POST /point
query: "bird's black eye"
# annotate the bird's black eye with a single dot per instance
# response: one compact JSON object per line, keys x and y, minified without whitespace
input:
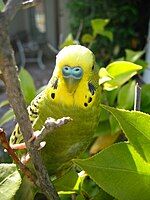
{"x":93,"y":67}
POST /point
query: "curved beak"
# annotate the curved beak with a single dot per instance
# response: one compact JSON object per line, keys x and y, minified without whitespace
{"x":71,"y":84}
{"x":72,"y":76}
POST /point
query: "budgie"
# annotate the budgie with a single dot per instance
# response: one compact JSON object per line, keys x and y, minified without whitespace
{"x":72,"y":91}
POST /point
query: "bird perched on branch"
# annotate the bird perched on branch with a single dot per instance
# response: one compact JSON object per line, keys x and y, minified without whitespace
{"x":72,"y":91}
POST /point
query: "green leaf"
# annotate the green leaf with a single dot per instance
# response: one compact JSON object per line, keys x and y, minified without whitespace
{"x":10,"y":181}
{"x":143,"y":63}
{"x":103,"y":128}
{"x":80,"y":197}
{"x":136,"y":127}
{"x":120,"y":171}
{"x":91,"y":191}
{"x":66,"y":182}
{"x":133,"y":56}
{"x":115,"y":128}
{"x":108,"y":34}
{"x":27,"y":85}
{"x":2,"y":5}
{"x":121,"y":71}
{"x":111,"y":96}
{"x":87,"y":38}
{"x":104,"y":115}
{"x":98,"y":26}
{"x":126,"y":96}
{"x":68,"y":41}
{"x":4,"y":103}
{"x":9,"y":115}
{"x":104,"y":76}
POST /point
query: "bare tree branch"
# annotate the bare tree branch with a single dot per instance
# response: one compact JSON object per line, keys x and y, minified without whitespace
{"x":8,"y":69}
{"x":13,"y":6}
{"x":30,"y":3}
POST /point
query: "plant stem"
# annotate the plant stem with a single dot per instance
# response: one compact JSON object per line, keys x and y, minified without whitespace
{"x":137,"y":97}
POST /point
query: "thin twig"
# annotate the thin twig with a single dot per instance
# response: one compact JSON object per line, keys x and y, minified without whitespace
{"x":11,"y":152}
{"x":137,"y":97}
{"x":79,"y":30}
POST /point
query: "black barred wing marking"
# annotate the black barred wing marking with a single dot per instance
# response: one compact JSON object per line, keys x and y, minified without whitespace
{"x":33,"y":110}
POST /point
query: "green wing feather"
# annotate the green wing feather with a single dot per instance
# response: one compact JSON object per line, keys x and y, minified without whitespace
{"x":33,"y":110}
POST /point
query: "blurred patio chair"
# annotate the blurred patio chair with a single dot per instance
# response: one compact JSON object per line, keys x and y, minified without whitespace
{"x":27,"y":50}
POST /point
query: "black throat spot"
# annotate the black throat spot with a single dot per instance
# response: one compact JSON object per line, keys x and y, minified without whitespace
{"x":91,"y":88}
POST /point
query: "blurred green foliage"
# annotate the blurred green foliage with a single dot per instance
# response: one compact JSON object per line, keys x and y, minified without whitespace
{"x":128,"y":22}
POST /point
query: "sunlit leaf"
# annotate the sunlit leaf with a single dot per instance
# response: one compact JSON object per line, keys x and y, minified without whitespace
{"x":135,"y":125}
{"x":104,"y":76}
{"x":120,"y":171}
{"x":121,"y":71}
{"x":98,"y":25}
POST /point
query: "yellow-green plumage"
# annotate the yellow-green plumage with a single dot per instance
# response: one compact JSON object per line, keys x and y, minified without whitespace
{"x":81,"y":103}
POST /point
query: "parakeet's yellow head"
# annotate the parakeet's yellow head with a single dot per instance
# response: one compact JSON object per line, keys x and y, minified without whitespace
{"x":73,"y":64}
{"x":75,"y":78}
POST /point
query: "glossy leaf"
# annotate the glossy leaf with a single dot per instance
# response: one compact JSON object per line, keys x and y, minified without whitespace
{"x":121,"y":71}
{"x":120,"y":171}
{"x":9,"y":115}
{"x":126,"y":96}
{"x":104,"y":76}
{"x":27,"y":85}
{"x":10,"y":181}
{"x":136,"y":127}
